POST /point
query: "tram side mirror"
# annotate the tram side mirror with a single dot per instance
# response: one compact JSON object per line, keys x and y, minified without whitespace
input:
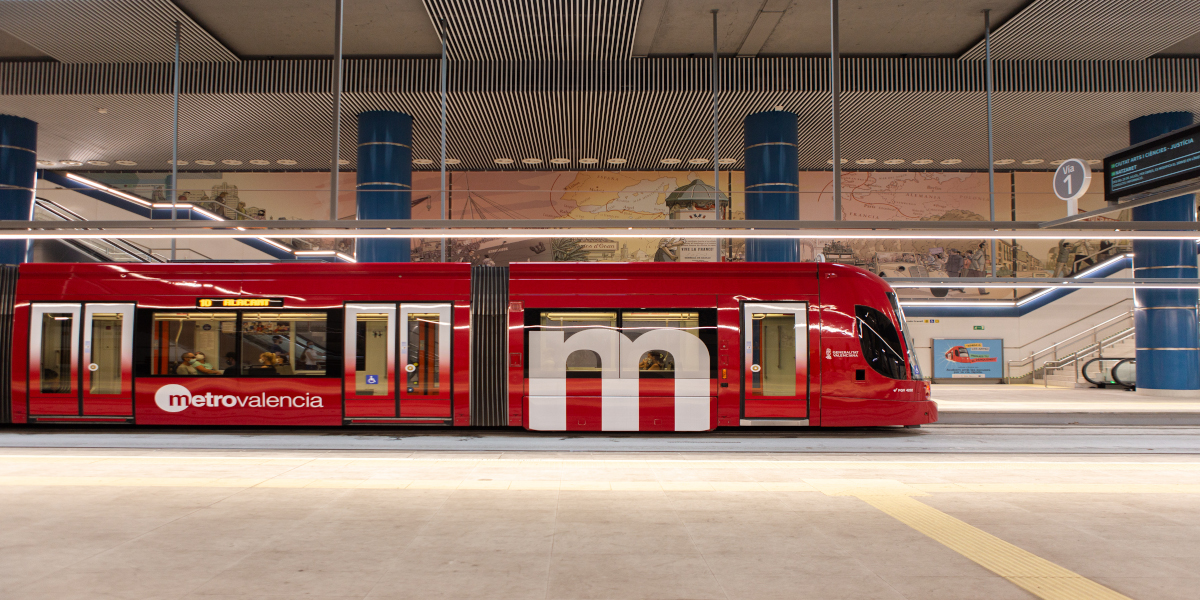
{"x":860,"y":374}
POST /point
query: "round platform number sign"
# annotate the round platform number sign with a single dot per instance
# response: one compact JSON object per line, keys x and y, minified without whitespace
{"x":1072,"y":179}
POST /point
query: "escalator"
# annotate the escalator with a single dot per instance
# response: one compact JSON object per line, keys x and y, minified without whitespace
{"x":98,"y":250}
{"x":1108,"y":372}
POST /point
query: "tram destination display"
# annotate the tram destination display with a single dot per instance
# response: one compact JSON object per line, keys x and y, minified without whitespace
{"x":1153,"y":164}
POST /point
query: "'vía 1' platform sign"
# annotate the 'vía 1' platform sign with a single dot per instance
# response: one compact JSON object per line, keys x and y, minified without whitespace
{"x":1155,"y":163}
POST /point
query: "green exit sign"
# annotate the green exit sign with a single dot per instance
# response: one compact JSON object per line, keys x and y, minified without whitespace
{"x":979,"y":328}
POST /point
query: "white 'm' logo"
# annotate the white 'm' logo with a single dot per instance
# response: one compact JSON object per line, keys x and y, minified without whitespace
{"x":172,"y":398}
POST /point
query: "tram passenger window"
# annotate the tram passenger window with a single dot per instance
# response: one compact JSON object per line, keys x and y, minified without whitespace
{"x":773,"y":351}
{"x":585,"y":363}
{"x":913,"y":367}
{"x":191,"y":344}
{"x":421,"y":334}
{"x":284,"y":344}
{"x":56,"y":352}
{"x":656,"y":362}
{"x":880,"y":342}
{"x":371,"y":352}
{"x":106,"y":353}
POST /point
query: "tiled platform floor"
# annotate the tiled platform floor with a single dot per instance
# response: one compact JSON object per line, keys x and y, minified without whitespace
{"x":226,"y":524}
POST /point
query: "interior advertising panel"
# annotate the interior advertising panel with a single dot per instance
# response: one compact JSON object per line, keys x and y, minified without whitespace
{"x":968,"y":359}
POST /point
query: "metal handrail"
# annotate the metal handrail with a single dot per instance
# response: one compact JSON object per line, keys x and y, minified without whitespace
{"x":1092,"y":331}
{"x":1084,"y":353}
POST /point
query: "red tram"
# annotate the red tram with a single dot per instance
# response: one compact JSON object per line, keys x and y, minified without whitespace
{"x":554,"y":346}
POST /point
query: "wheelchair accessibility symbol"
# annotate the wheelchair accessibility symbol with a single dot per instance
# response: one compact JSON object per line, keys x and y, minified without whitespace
{"x":372,"y":379}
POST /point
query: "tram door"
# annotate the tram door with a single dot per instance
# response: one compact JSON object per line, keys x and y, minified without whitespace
{"x":416,"y":339}
{"x":775,"y":360}
{"x":81,"y":360}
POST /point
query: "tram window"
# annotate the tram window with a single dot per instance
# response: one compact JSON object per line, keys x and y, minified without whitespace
{"x":284,"y":344}
{"x":581,"y":363}
{"x":914,"y":367}
{"x":773,"y":347}
{"x":371,"y":345}
{"x":421,"y":334}
{"x":106,"y":353}
{"x":634,"y":324}
{"x":880,"y":342}
{"x":192,"y":344}
{"x":656,"y":362}
{"x":56,"y":352}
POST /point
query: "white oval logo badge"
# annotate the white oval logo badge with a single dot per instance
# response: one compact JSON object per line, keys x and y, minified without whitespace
{"x":173,"y":398}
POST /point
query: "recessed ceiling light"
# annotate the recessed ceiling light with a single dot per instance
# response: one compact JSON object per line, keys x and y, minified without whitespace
{"x":127,"y":163}
{"x":231,"y":161}
{"x":207,"y":163}
{"x":343,"y":161}
{"x":894,"y":161}
{"x":922,"y":161}
{"x":778,"y":107}
{"x":1057,"y":162}
{"x":260,"y":162}
{"x":951,"y":161}
{"x":844,"y":161}
{"x":503,"y":161}
{"x":1033,"y":161}
{"x":727,"y":161}
{"x":73,"y":163}
{"x":588,"y":161}
{"x":532,"y":161}
{"x":286,"y":161}
{"x":103,"y":111}
{"x":698,"y":161}
{"x":98,"y":163}
{"x":1005,"y":161}
{"x":46,"y":163}
{"x":865,"y":161}
{"x":616,"y":161}
{"x":670,"y":161}
{"x":1094,"y":161}
{"x":560,"y":161}
{"x":180,"y":162}
{"x":453,"y":161}
{"x":422,"y":161}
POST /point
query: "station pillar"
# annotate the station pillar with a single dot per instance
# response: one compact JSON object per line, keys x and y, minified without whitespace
{"x":384,"y":180}
{"x":18,"y":172}
{"x":1165,"y":327}
{"x":772,"y":181}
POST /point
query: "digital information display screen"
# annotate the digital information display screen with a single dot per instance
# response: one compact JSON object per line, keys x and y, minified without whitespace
{"x":239,"y":302}
{"x":1155,"y":163}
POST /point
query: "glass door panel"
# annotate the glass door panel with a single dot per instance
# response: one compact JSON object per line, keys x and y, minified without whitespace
{"x":775,"y":359}
{"x":370,"y":370}
{"x":108,"y":359}
{"x":54,"y":359}
{"x":425,"y":351}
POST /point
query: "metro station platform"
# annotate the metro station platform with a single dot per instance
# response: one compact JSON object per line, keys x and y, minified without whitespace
{"x":224,"y":524}
{"x":1026,"y":404}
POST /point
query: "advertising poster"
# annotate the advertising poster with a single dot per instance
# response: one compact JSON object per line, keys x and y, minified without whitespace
{"x":968,"y":359}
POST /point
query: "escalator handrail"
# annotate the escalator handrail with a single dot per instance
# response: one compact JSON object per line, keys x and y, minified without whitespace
{"x":1084,"y":371}
{"x":1117,"y":380}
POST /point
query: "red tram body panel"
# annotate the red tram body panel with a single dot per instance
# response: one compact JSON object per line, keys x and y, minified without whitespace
{"x":589,"y":346}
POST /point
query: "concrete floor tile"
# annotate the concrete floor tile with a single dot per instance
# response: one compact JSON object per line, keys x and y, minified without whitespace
{"x":957,"y":588}
{"x":422,"y":575}
{"x":267,"y":581}
{"x":631,"y":576}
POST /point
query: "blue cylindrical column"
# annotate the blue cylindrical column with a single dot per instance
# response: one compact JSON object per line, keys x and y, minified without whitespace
{"x":384,"y":189}
{"x":1168,"y":353}
{"x":772,"y":181}
{"x":18,"y":172}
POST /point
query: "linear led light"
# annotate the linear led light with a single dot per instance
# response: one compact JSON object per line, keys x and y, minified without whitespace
{"x":346,"y":257}
{"x":314,"y":252}
{"x":96,"y":185}
{"x":240,"y":232}
{"x":176,"y":206}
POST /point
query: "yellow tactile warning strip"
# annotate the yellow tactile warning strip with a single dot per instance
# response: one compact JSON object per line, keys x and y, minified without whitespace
{"x":1032,"y":573}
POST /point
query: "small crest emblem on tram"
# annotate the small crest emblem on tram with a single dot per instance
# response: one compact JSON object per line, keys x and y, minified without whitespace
{"x":829,"y":353}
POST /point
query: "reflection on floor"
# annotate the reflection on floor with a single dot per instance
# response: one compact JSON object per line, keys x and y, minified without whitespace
{"x":1037,"y":398}
{"x":230,"y":524}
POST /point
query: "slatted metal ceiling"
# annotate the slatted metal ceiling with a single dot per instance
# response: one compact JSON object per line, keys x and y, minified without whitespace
{"x":1093,"y":30}
{"x":566,"y":30}
{"x":642,"y":111}
{"x":108,"y":31}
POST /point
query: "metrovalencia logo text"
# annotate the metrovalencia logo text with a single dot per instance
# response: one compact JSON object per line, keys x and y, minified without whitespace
{"x":175,"y":398}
